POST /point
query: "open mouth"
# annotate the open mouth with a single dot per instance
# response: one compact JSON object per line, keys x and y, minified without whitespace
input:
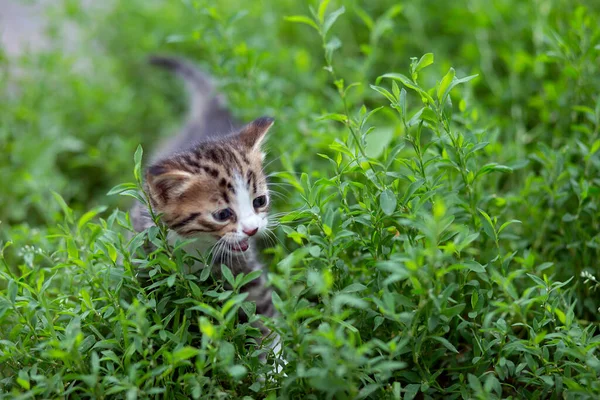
{"x":240,"y":246}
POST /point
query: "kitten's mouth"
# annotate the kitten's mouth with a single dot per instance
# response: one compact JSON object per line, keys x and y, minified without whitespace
{"x":240,"y":246}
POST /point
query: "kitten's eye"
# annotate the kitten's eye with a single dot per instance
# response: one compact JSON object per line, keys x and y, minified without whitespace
{"x":223,"y":215}
{"x":260,"y":201}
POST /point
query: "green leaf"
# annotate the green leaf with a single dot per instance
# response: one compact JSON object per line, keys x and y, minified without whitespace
{"x":384,"y":92}
{"x":593,"y":150}
{"x":171,"y":280}
{"x":314,"y":251}
{"x":204,"y":274}
{"x":355,"y":287}
{"x":387,"y":202}
{"x":293,"y":259}
{"x":255,"y":387}
{"x":23,"y":382}
{"x":195,"y":290}
{"x":185,"y":353}
{"x":446,"y":343}
{"x":343,"y":299}
{"x":395,"y":89}
{"x":474,"y":299}
{"x":508,"y":223}
{"x":367,"y":390}
{"x":332,"y":116}
{"x":205,"y":308}
{"x":411,"y":390}
{"x":87,"y":217}
{"x":492,"y":167}
{"x":63,"y":205}
{"x":121,"y":188}
{"x":390,"y":366}
{"x":492,"y":384}
{"x":416,"y":118}
{"x":445,"y":84}
{"x":137,"y":157}
{"x":408,"y":83}
{"x":412,"y":188}
{"x":568,"y":217}
{"x":227,"y":275}
{"x":302,"y":20}
{"x":474,"y":383}
{"x":425,"y":61}
{"x":236,"y":300}
{"x":458,"y":82}
{"x":322,"y":9}
{"x":237,"y":372}
{"x":330,"y":20}
{"x":12,"y":290}
{"x":430,"y":116}
{"x":538,"y":280}
{"x":72,"y":249}
{"x":250,"y":277}
{"x":488,"y":225}
{"x":402,"y":102}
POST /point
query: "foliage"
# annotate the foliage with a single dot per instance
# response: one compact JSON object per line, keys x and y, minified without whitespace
{"x":439,"y":229}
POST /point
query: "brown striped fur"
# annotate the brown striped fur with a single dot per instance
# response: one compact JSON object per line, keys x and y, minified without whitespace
{"x":201,"y":181}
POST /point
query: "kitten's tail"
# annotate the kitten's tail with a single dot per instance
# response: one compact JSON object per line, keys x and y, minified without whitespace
{"x":197,"y":80}
{"x":204,"y":99}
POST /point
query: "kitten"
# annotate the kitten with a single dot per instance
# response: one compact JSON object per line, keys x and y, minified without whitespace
{"x":209,"y":183}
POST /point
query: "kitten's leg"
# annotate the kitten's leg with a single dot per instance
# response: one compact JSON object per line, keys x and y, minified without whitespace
{"x":259,"y":293}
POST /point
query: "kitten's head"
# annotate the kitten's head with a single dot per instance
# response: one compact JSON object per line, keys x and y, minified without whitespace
{"x":216,"y":190}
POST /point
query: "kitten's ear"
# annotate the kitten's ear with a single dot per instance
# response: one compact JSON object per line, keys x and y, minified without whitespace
{"x":165,"y":182}
{"x":253,"y":134}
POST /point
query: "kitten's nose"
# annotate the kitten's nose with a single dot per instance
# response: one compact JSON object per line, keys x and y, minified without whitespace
{"x":250,"y":232}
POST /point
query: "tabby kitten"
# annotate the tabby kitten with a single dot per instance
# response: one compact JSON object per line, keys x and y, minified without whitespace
{"x":209,"y":183}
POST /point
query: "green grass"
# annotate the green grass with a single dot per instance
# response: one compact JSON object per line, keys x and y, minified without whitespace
{"x":438,"y":165}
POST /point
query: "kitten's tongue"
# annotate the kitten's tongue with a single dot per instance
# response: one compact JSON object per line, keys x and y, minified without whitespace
{"x":240,"y":246}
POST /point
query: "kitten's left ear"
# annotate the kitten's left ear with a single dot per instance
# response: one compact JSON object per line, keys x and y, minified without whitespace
{"x":253,"y":134}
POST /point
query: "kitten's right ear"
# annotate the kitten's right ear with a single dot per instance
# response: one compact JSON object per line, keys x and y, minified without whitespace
{"x":165,"y":182}
{"x":253,"y":134}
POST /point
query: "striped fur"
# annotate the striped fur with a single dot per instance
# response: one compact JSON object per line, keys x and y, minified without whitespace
{"x":214,"y":168}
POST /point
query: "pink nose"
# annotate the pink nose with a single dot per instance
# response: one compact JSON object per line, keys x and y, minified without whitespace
{"x":250,"y":232}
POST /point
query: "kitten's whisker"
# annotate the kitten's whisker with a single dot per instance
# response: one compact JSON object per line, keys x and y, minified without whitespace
{"x":272,"y":218}
{"x":272,"y":234}
{"x":294,"y":222}
{"x":279,"y":188}
{"x":281,"y":214}
{"x":265,"y":233}
{"x":284,"y":214}
{"x":212,"y":248}
{"x":279,"y":183}
{"x":223,"y":253}
{"x":214,"y":252}
{"x":270,"y":162}
{"x":266,"y":238}
{"x":276,"y":189}
{"x":277,"y":195}
{"x":293,"y":173}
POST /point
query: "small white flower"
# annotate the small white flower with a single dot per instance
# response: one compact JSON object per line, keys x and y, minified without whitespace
{"x":588,"y":276}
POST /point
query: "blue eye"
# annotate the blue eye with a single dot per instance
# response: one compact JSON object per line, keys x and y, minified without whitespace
{"x":260,"y":201}
{"x":223,"y":215}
